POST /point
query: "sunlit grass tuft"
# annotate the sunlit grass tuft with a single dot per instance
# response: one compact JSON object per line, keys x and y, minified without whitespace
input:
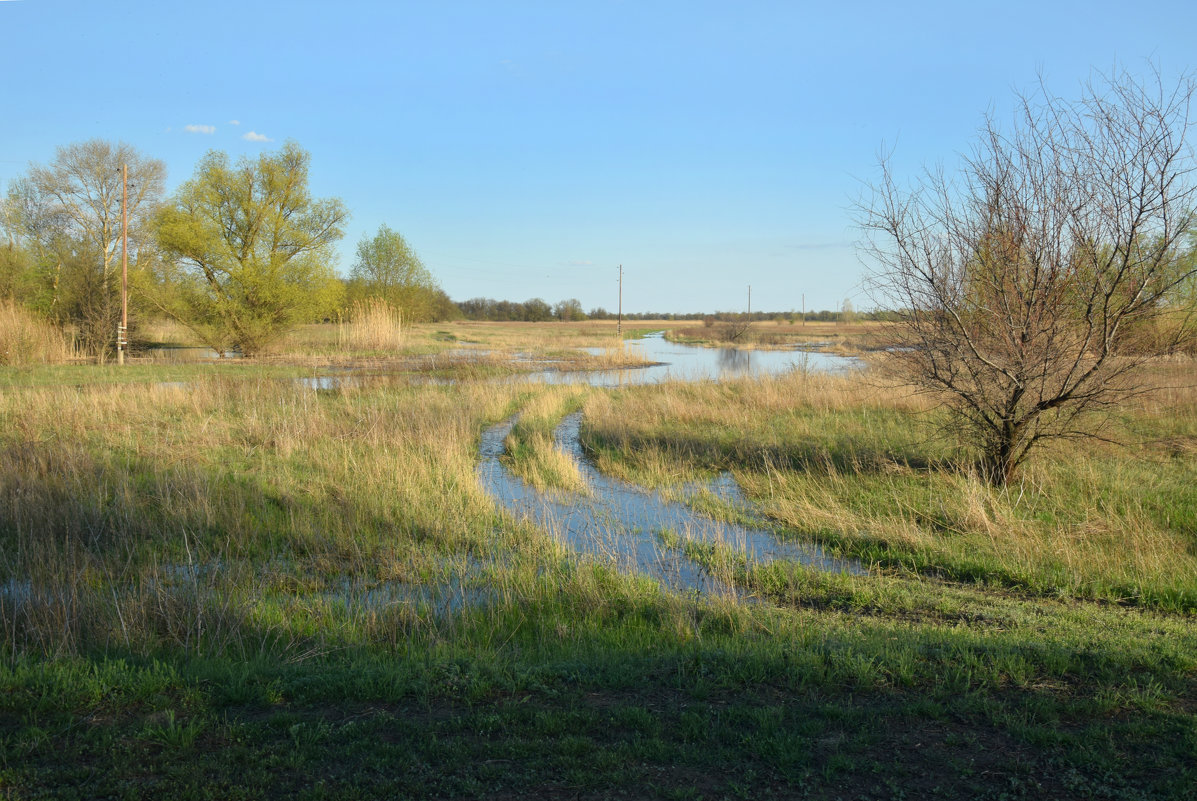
{"x":530,"y":450}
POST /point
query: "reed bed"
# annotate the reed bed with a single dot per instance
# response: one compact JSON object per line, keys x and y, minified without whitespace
{"x":26,"y":339}
{"x":373,"y":325}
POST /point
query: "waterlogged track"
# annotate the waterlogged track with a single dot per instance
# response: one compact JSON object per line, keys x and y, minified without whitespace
{"x":621,"y":523}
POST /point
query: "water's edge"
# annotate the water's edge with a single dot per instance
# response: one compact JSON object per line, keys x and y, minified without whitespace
{"x":620,"y":523}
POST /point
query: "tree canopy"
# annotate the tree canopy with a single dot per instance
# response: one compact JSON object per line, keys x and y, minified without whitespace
{"x":251,"y":249}
{"x":387,"y":267}
{"x":65,"y":217}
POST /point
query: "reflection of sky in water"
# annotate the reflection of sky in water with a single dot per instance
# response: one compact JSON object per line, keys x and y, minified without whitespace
{"x":678,"y":361}
{"x":674,"y":361}
{"x":620,"y":522}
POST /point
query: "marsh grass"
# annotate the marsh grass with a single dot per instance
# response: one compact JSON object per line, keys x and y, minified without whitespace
{"x":530,"y":451}
{"x":373,"y":341}
{"x":846,"y":463}
{"x":842,"y":338}
{"x":103,"y":491}
{"x":241,"y":586}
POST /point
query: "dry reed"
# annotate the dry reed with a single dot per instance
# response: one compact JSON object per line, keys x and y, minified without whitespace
{"x":26,"y":339}
{"x":374,"y":325}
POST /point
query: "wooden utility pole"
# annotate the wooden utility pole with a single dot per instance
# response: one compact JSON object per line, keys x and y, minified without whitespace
{"x":122,"y":333}
{"x":804,"y":308}
{"x":750,"y":302}
{"x":619,"y":324}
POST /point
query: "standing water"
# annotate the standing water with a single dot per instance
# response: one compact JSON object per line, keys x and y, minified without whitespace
{"x":676,"y":361}
{"x":622,"y":523}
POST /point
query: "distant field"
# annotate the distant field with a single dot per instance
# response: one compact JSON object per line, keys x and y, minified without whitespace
{"x":831,"y":337}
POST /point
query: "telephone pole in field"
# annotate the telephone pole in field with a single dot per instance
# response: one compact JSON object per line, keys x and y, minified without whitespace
{"x":122,"y":331}
{"x":619,"y":324}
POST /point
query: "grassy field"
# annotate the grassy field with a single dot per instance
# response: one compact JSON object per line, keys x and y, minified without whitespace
{"x":830,"y":337}
{"x":236,"y":586}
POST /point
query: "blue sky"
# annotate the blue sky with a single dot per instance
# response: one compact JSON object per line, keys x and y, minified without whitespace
{"x":528,"y":148}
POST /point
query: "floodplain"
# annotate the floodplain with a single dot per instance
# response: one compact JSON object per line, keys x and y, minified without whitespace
{"x":439,"y":579}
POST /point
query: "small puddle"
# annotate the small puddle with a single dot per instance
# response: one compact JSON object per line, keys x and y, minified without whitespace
{"x":441,"y":599}
{"x":620,"y":523}
{"x":184,"y":354}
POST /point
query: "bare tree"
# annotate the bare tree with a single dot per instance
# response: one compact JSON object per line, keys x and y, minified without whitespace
{"x":70,"y":213}
{"x":1034,"y":285}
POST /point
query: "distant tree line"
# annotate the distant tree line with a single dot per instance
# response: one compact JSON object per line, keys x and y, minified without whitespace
{"x":240,"y":253}
{"x":537,"y":310}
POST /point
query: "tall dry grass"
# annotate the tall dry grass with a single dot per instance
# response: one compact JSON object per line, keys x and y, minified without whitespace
{"x":531,"y":452}
{"x":26,"y":339}
{"x":227,"y":516}
{"x":374,"y":325}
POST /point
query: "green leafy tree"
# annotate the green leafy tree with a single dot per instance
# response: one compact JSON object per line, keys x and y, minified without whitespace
{"x":17,"y":271}
{"x":569,"y":310}
{"x":250,"y":250}
{"x":537,"y":311}
{"x":387,"y":267}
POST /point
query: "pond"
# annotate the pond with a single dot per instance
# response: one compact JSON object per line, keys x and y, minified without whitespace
{"x":677,"y":361}
{"x":664,"y":361}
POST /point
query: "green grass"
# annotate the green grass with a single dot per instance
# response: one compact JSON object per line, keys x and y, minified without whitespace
{"x":247,"y":589}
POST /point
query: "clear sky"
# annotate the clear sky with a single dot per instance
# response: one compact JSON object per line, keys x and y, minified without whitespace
{"x":526,"y":149}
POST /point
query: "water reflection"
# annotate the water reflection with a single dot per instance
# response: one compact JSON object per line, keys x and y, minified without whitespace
{"x":731,"y":360}
{"x":677,"y":361}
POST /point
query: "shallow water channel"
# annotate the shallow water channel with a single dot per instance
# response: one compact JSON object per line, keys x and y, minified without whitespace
{"x":622,"y":524}
{"x":615,"y":521}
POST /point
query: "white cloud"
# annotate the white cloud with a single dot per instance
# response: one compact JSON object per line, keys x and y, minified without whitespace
{"x":200,"y":129}
{"x":234,"y":122}
{"x":580,"y":263}
{"x":254,"y":136}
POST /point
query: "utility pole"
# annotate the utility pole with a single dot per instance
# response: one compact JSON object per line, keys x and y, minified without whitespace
{"x":804,"y":309}
{"x":750,"y":302}
{"x":619,"y":324}
{"x":122,"y":332}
